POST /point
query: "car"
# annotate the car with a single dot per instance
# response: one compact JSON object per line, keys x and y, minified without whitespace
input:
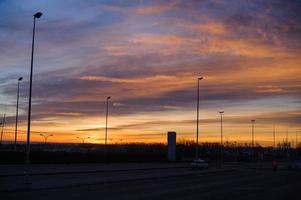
{"x":297,"y":165}
{"x":275,"y":165}
{"x":199,"y":164}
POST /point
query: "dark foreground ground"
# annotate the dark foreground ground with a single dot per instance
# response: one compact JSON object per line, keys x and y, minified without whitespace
{"x":233,"y":181}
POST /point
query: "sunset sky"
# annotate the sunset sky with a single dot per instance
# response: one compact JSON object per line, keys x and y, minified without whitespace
{"x":147,"y":55}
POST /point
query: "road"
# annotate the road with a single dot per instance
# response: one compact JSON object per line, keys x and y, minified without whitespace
{"x":168,"y":183}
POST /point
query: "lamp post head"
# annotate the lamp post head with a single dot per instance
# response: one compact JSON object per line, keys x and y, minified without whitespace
{"x":108,"y":97}
{"x":38,"y":15}
{"x":221,"y":112}
{"x":200,"y":78}
{"x":41,"y":135}
{"x":20,"y":79}
{"x":253,"y":120}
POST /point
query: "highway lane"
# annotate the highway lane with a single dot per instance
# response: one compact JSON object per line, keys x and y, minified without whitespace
{"x":55,"y":180}
{"x":7,"y":170}
{"x":237,"y":184}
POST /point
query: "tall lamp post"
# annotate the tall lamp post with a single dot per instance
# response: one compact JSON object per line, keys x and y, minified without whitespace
{"x":46,"y":137}
{"x":297,"y":142}
{"x":17,"y":110}
{"x":221,"y":150}
{"x":197,"y":119}
{"x":221,"y":113}
{"x":35,"y":16}
{"x":107,"y":113}
{"x":296,"y":139}
{"x":253,"y":123}
{"x":286,"y":136}
{"x":274,"y":137}
{"x":2,"y":128}
{"x":1,"y":124}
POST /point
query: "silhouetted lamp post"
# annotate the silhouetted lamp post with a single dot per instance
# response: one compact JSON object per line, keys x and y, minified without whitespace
{"x":274,"y":137}
{"x":107,"y":113}
{"x":297,"y":142}
{"x":35,"y":16}
{"x":17,"y":109}
{"x":253,"y":122}
{"x":221,"y":150}
{"x":1,"y":124}
{"x":83,"y":139}
{"x":46,"y":137}
{"x":286,"y":136}
{"x":197,"y":119}
{"x":296,"y":139}
{"x":221,"y":113}
{"x":2,"y":127}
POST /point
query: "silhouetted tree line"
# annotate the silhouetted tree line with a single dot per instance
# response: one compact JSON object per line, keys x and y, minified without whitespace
{"x":144,"y":152}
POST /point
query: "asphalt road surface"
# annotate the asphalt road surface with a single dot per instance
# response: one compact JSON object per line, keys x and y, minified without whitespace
{"x":161,"y":183}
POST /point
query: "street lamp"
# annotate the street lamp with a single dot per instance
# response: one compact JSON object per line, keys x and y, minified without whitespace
{"x":197,"y":119}
{"x":46,"y":137}
{"x":221,"y":150}
{"x":2,"y":129}
{"x":1,"y":132}
{"x":253,"y":122}
{"x":17,"y":109}
{"x":35,"y":16}
{"x":274,"y":137}
{"x":221,"y":112}
{"x":286,"y":136}
{"x":107,"y":113}
{"x":83,"y":139}
{"x":296,"y":139}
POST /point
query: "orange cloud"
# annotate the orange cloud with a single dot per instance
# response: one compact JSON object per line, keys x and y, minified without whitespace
{"x":211,"y":27}
{"x":143,"y":86}
{"x":269,"y":89}
{"x":207,"y":45}
{"x":155,"y":9}
{"x":277,"y":78}
{"x":151,"y":39}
